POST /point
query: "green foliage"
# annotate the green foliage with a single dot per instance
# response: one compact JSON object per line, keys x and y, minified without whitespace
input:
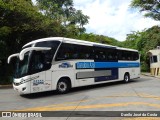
{"x":152,"y":7}
{"x":96,"y":38}
{"x":56,"y":9}
{"x":21,"y":22}
{"x":64,"y":12}
{"x":144,"y":41}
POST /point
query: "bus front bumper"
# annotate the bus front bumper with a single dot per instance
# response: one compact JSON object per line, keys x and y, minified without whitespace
{"x":21,"y":88}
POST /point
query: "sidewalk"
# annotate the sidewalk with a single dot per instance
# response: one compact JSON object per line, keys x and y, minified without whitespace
{"x":5,"y":86}
{"x":149,"y":74}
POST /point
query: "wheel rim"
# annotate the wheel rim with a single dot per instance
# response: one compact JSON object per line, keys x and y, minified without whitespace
{"x":126,"y":78}
{"x":62,"y":86}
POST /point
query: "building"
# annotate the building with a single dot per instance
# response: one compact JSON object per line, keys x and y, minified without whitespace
{"x":155,"y":61}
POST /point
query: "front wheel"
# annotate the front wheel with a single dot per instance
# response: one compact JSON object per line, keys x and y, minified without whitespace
{"x":126,"y":78}
{"x":63,"y":86}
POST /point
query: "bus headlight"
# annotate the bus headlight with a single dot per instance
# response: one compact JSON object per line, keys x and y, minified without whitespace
{"x":22,"y":81}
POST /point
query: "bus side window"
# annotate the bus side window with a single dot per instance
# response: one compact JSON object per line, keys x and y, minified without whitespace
{"x":135,"y":55}
{"x":68,"y":51}
{"x":127,"y":55}
{"x":73,"y":51}
{"x":62,"y":53}
{"x":84,"y":52}
{"x":37,"y":61}
{"x":99,"y":53}
{"x":111,"y":55}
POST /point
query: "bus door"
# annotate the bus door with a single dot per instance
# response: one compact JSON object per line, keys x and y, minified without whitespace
{"x":41,"y":77}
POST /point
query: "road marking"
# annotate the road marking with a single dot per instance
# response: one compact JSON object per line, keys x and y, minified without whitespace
{"x":146,"y":95}
{"x":63,"y":108}
{"x":73,"y":105}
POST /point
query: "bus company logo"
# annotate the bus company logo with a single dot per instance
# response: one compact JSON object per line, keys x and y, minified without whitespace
{"x":85,"y":65}
{"x":38,"y":82}
{"x":65,"y":65}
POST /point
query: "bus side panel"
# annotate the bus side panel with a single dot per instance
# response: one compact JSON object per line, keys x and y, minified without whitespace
{"x":91,"y":72}
{"x":61,"y":70}
{"x":110,"y":74}
{"x":134,"y":72}
{"x":57,"y":75}
{"x":37,"y":84}
{"x":83,"y":76}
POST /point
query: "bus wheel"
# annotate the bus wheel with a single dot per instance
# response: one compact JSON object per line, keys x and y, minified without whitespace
{"x":63,"y":86}
{"x":126,"y":78}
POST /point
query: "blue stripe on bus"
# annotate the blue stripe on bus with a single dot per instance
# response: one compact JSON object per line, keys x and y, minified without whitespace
{"x":92,"y":65}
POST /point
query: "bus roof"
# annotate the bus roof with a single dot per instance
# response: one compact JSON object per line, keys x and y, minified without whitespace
{"x":43,"y":39}
{"x":128,"y":49}
{"x":75,"y":41}
{"x":68,"y":40}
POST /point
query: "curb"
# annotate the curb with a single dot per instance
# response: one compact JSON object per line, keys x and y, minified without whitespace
{"x":150,"y":75}
{"x":147,"y":75}
{"x":5,"y":86}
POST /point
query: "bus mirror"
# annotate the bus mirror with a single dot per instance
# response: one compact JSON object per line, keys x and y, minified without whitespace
{"x":21,"y":55}
{"x":11,"y":56}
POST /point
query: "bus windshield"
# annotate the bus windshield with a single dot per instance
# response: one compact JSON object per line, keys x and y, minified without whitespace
{"x":22,"y":66}
{"x":36,"y":61}
{"x":39,"y":62}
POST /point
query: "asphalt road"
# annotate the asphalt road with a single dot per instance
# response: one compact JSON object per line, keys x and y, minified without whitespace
{"x":141,"y":94}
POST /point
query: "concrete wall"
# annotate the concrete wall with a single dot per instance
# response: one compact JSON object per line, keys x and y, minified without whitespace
{"x":155,"y":66}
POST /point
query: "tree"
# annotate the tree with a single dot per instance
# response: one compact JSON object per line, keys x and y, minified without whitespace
{"x":21,"y":22}
{"x":143,"y":41}
{"x":56,"y":9}
{"x":96,"y":38}
{"x":81,"y":19}
{"x":64,"y":12}
{"x":152,"y":7}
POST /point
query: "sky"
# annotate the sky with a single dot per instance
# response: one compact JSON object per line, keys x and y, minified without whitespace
{"x":113,"y":18}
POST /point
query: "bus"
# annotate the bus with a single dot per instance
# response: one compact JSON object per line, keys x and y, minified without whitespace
{"x":58,"y":63}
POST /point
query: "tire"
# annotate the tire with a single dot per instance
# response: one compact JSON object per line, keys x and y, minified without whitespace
{"x":63,"y":86}
{"x":126,"y":78}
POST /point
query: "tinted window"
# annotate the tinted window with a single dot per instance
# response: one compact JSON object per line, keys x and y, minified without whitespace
{"x":111,"y":54}
{"x":41,"y":60}
{"x":48,"y":54}
{"x":105,"y":54}
{"x":73,"y":51}
{"x":127,"y":55}
{"x":37,"y":62}
{"x":155,"y":59}
{"x":99,"y":53}
{"x":135,"y":55}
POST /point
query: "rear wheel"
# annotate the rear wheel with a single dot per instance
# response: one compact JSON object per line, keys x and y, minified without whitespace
{"x":63,"y":86}
{"x":126,"y":78}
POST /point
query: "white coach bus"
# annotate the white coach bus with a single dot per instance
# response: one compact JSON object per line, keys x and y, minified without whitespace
{"x":58,"y":63}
